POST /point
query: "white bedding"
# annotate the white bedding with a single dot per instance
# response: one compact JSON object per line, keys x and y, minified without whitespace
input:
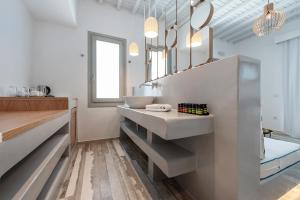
{"x":279,"y":155}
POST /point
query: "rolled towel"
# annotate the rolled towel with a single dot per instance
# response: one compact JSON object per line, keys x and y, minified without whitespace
{"x":159,"y":107}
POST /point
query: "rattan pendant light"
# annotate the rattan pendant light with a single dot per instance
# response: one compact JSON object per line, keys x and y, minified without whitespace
{"x":150,"y":24}
{"x":272,"y":20}
{"x":133,"y":49}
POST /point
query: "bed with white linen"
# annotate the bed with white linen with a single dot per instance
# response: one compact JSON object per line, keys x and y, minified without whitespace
{"x":279,"y":156}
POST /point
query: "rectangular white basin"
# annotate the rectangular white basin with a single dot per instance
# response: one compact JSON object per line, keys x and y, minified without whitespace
{"x":170,"y":125}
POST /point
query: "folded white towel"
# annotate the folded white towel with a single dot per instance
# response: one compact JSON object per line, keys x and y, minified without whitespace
{"x":159,"y":107}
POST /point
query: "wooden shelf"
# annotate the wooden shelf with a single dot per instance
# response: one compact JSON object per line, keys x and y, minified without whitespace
{"x":26,"y":179}
{"x":14,"y":123}
{"x":172,"y":159}
{"x":17,"y":148}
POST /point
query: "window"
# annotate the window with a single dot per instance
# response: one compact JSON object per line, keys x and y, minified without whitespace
{"x":107,"y":56}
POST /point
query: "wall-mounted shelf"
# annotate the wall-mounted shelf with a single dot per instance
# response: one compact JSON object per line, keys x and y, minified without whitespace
{"x":170,"y":125}
{"x":172,"y":159}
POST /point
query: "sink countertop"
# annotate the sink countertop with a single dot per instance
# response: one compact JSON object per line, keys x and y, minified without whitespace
{"x":170,"y":125}
{"x":13,"y":123}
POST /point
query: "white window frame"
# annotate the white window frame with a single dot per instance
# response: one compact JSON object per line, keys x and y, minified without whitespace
{"x":93,"y":101}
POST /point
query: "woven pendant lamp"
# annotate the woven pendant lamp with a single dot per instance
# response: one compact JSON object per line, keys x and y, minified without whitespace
{"x":133,"y":49}
{"x":150,"y":24}
{"x":272,"y":20}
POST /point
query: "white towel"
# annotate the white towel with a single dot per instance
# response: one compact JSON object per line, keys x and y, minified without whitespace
{"x":159,"y":107}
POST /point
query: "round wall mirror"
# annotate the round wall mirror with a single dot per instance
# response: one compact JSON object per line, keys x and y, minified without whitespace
{"x":171,"y":38}
{"x":202,"y":15}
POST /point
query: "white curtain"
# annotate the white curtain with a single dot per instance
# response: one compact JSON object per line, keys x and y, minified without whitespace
{"x":291,"y":86}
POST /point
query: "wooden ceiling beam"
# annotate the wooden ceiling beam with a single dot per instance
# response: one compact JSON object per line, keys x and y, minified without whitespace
{"x":246,"y":30}
{"x":228,"y":16}
{"x":119,"y":4}
{"x":238,"y":24}
{"x":136,"y":6}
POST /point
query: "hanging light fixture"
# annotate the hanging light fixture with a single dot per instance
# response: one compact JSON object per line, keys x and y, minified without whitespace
{"x":150,"y":24}
{"x":195,"y":41}
{"x":163,"y":54}
{"x":133,"y":49}
{"x":271,"y":20}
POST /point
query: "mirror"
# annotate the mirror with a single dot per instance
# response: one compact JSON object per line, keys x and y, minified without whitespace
{"x":155,"y":59}
{"x":202,"y":15}
{"x":171,"y":39}
{"x":203,"y":53}
{"x":183,"y":39}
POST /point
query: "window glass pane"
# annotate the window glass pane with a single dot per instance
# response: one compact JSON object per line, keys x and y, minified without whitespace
{"x":158,"y":63}
{"x":161,"y":64}
{"x":153,"y":65}
{"x":107,"y":70}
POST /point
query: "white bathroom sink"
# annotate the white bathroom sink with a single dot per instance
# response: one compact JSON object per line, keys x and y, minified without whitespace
{"x":138,"y":101}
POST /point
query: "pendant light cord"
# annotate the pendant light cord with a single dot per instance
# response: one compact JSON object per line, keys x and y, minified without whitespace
{"x":149,"y":12}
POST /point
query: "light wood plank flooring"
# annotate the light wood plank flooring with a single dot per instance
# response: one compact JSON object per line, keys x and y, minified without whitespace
{"x":102,"y":170}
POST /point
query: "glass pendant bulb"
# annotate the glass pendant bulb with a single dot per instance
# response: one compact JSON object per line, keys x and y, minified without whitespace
{"x":133,"y":49}
{"x":196,"y":39}
{"x":151,"y":27}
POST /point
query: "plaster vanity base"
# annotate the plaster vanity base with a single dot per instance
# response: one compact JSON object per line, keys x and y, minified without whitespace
{"x":153,"y":134}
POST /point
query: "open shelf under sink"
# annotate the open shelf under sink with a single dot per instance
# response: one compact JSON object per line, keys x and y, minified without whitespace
{"x":172,"y":159}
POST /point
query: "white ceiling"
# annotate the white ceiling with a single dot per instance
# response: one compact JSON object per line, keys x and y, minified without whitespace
{"x":232,"y":20}
{"x":57,"y":11}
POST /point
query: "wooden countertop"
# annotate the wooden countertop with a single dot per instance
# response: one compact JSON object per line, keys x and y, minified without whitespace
{"x":33,"y":103}
{"x":14,"y":123}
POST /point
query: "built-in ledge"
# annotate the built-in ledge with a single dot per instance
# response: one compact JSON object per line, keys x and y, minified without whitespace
{"x":27,"y":179}
{"x":172,"y":159}
{"x":50,"y":189}
{"x":170,"y":125}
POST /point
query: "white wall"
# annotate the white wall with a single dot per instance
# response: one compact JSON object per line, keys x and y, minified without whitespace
{"x":15,"y":45}
{"x":231,"y":89}
{"x":222,"y":49}
{"x":55,"y":11}
{"x":57,"y":61}
{"x":271,"y":57}
{"x":271,"y":81}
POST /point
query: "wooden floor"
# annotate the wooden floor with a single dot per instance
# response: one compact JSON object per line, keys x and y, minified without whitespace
{"x":101,"y":170}
{"x":104,"y":170}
